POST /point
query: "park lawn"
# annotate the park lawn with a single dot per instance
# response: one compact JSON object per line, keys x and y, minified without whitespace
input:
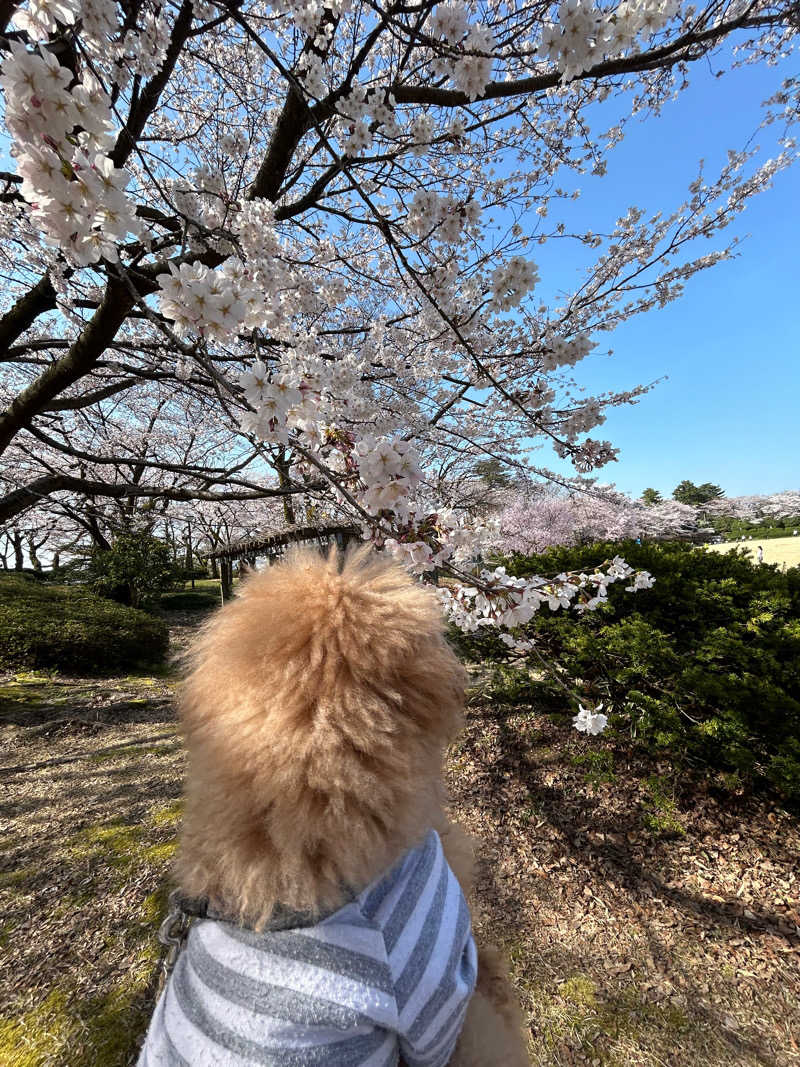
{"x":780,"y":550}
{"x":649,"y":920}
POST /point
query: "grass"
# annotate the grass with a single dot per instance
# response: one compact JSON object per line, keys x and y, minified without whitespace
{"x":785,"y":551}
{"x":204,"y":596}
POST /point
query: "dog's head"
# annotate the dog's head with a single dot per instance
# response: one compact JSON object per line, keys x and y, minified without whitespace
{"x":316,"y":714}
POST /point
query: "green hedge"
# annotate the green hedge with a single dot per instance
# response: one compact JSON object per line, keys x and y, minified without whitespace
{"x":70,"y":628}
{"x":201,"y":599}
{"x":732,"y":528}
{"x":706,"y":664}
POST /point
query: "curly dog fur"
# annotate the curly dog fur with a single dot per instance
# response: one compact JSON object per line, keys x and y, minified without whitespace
{"x":316,"y":713}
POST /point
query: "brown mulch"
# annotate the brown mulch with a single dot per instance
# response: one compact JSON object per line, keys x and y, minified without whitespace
{"x":641,"y":930}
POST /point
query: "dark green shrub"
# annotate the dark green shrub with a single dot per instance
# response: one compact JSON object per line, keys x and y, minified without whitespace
{"x":136,"y":570}
{"x":182,"y":573}
{"x":202,"y":599}
{"x":73,"y":630}
{"x":706,"y":664}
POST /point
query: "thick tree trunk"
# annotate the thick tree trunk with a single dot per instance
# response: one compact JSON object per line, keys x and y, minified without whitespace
{"x":19,"y":555}
{"x":226,"y":575}
{"x":282,"y":467}
{"x":36,"y":563}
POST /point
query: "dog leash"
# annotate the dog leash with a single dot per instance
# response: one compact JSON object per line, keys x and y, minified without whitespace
{"x":173,"y":931}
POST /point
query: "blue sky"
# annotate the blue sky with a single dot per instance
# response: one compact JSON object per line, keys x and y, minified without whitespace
{"x":730,"y":410}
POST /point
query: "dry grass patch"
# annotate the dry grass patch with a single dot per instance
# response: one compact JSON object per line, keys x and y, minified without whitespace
{"x":785,"y":551}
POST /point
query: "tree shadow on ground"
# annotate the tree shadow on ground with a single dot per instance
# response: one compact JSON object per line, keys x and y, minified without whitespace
{"x":48,"y":715}
{"x":614,"y":854}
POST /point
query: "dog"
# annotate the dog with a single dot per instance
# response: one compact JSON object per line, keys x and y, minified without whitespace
{"x":316,"y":713}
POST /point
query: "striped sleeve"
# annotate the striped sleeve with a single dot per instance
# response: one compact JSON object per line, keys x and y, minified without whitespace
{"x":432,"y":955}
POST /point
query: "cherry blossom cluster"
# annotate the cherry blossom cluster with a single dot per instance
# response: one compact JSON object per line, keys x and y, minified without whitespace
{"x":588,"y":455}
{"x":40,"y":18}
{"x":512,"y":281}
{"x":446,"y":216}
{"x":390,"y":471}
{"x":258,"y":290}
{"x":76,"y":195}
{"x":450,"y":21}
{"x":565,"y":352}
{"x":585,"y":34}
{"x":300,"y":395}
{"x":472,"y":72}
{"x":201,"y":301}
{"x":501,"y":600}
{"x":589,"y":721}
{"x":436,"y":535}
{"x":275,"y":399}
{"x":469,"y":59}
{"x":143,"y":49}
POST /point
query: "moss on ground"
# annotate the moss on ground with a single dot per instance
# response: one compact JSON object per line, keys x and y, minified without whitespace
{"x":37,"y":1036}
{"x":121,"y":846}
{"x":154,"y":906}
{"x":608,"y":1024}
{"x":69,"y":1027}
{"x":39,"y":691}
{"x":167,"y":814}
{"x":17,"y":878}
{"x":160,"y":853}
{"x":579,"y":990}
{"x":101,"y":1031}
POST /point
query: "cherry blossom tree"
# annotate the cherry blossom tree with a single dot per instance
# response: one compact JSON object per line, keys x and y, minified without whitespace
{"x":535,"y":519}
{"x":670,"y":520}
{"x":756,"y":508}
{"x":315,"y":223}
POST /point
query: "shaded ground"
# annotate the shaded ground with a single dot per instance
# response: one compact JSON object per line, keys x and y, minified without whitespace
{"x":645,"y":926}
{"x":643,"y":929}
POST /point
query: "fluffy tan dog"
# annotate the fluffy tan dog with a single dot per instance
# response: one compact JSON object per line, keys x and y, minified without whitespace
{"x":316,"y":715}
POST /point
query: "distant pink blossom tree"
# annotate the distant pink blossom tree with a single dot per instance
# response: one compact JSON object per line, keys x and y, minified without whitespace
{"x":534,"y":519}
{"x":783,"y":505}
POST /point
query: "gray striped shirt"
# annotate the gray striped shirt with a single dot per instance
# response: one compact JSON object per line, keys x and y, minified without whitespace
{"x":390,"y":972}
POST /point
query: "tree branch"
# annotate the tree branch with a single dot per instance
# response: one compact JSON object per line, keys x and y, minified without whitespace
{"x":656,"y":57}
{"x":150,"y":95}
{"x":79,"y":360}
{"x":27,"y":496}
{"x":41,"y":298}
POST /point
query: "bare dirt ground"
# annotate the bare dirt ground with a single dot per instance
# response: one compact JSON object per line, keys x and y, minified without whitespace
{"x":648,"y":921}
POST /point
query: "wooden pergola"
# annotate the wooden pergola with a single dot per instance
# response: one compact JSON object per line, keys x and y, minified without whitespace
{"x":273,"y":543}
